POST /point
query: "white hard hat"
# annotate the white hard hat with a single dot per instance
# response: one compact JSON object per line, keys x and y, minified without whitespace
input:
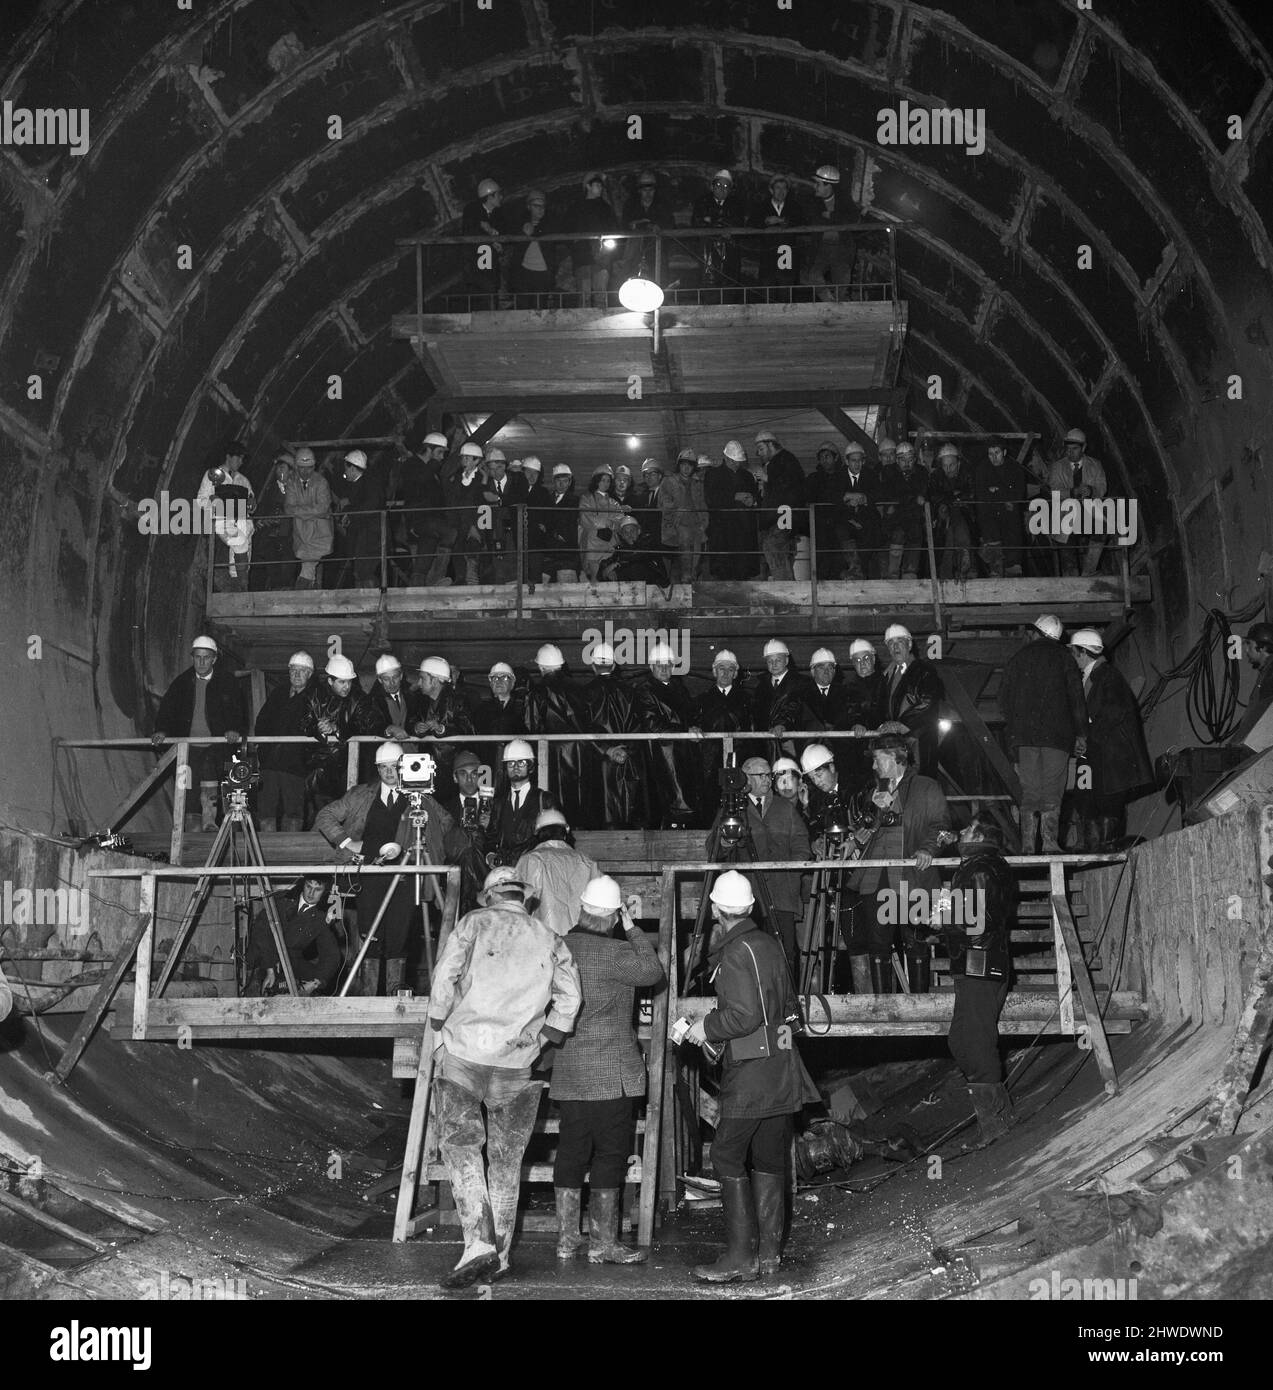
{"x":661,"y":652}
{"x":1050,"y":625}
{"x":1089,"y":640}
{"x":601,"y":895}
{"x":828,"y":173}
{"x":603,"y":470}
{"x":766,"y":437}
{"x":816,"y":755}
{"x":501,"y":882}
{"x":897,"y":630}
{"x":388,"y":753}
{"x":854,"y":447}
{"x":437,"y":441}
{"x":821,"y":656}
{"x":301,"y":659}
{"x":1076,"y":437}
{"x":496,"y":456}
{"x":470,"y":450}
{"x":776,"y":647}
{"x":786,"y":765}
{"x":603,"y":651}
{"x":651,"y":466}
{"x":734,"y":450}
{"x":387,"y":663}
{"x":304,"y":455}
{"x":861,"y":647}
{"x":905,"y":449}
{"x":886,"y":446}
{"x":948,"y":451}
{"x":501,"y":668}
{"x":340,"y":668}
{"x":630,"y":521}
{"x":518,"y":751}
{"x":551,"y":816}
{"x":486,"y":188}
{"x":436,"y":666}
{"x":723,"y":174}
{"x":724,"y":657}
{"x":357,"y":458}
{"x":549,"y":658}
{"x":563,"y":470}
{"x":531,"y":464}
{"x":204,"y":644}
{"x":732,"y":893}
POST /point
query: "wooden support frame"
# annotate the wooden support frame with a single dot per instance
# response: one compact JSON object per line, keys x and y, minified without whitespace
{"x":849,"y":427}
{"x":1093,"y":1024}
{"x":726,"y":402}
{"x":121,"y":812}
{"x":1064,"y":979}
{"x":967,"y":711}
{"x":656,"y":1078}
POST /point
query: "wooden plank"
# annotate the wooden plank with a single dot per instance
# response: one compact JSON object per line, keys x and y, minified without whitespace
{"x":120,"y":813}
{"x":180,"y":794}
{"x":284,"y":1016}
{"x":1087,"y":993}
{"x":655,"y":1080}
{"x":577,"y":402}
{"x":1064,"y":979}
{"x":414,"y":1152}
{"x":50,"y":1223}
{"x":1021,"y":1006}
{"x":145,"y":950}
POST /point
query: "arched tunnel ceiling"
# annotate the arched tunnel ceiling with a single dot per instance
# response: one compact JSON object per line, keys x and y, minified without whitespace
{"x":211,"y":130}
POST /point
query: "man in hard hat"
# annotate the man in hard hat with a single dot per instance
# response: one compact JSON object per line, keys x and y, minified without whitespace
{"x":307,"y":499}
{"x":719,"y":256}
{"x":203,"y":702}
{"x":1044,"y":726}
{"x":780,"y":700}
{"x":599,"y":1073}
{"x":516,"y":809}
{"x":685,"y":516}
{"x":539,"y":508}
{"x":857,"y":518}
{"x":361,"y":824}
{"x":555,"y":872}
{"x":732,"y":496}
{"x":999,"y":487}
{"x":1258,"y":646}
{"x":632,"y":561}
{"x":1076,"y":474}
{"x":665,"y":706}
{"x":485,"y":268}
{"x":593,"y":255}
{"x":784,"y":516}
{"x":913,"y":693}
{"x":533,"y":265}
{"x":778,"y":253}
{"x":950,"y":496}
{"x":723,"y":708}
{"x":826,"y":491}
{"x":398,"y":705}
{"x":500,"y":712}
{"x":338,"y":711}
{"x":503,"y":492}
{"x":831,"y":256}
{"x":826,"y":793}
{"x":763,"y":1082}
{"x":463,"y":486}
{"x":228,"y":499}
{"x":554,"y":705}
{"x":471,"y":808}
{"x":274,"y":565}
{"x":777,"y":832}
{"x":560,"y":528}
{"x":612,"y":794}
{"x":505,"y":984}
{"x":443,"y":713}
{"x":902,"y":493}
{"x":280,"y":803}
{"x":864,"y":690}
{"x":1118,"y":761}
{"x":429,"y":529}
{"x":359,"y":494}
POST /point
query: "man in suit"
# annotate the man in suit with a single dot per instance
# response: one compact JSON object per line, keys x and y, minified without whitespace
{"x":781,"y":699}
{"x":722,"y":709}
{"x":777,"y":832}
{"x":913,"y":693}
{"x":361,"y":824}
{"x":397,"y":705}
{"x":514,"y":812}
{"x":500,"y":712}
{"x":285,"y":712}
{"x":503,"y":492}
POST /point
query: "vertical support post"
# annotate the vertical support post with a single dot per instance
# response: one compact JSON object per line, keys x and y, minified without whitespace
{"x":541,"y":759}
{"x":384,"y":549}
{"x":813,"y":566}
{"x":652,"y":1147}
{"x":932,"y":567}
{"x":1064,"y":979}
{"x":520,"y":532}
{"x":351,"y":764}
{"x":212,"y":560}
{"x":183,"y":775}
{"x":727,"y":748}
{"x":145,"y":954}
{"x":419,"y":298}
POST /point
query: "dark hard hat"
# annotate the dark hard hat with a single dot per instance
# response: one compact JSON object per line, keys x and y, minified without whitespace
{"x":1261,"y":633}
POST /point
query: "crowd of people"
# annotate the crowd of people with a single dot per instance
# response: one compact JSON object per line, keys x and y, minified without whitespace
{"x":435,"y":516}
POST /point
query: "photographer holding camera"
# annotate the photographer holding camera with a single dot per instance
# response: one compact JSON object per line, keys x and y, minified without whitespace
{"x":372,"y":822}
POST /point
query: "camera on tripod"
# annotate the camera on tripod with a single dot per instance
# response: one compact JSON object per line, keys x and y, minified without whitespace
{"x":416,"y":772}
{"x":732,"y":827}
{"x":242,"y":775}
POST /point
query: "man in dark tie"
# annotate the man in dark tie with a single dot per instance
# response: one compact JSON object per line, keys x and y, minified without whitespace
{"x":913,"y":696}
{"x":777,"y":832}
{"x":398,"y":705}
{"x":514,"y":813}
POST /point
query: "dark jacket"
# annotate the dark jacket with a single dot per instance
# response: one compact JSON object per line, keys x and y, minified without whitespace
{"x":224,"y":705}
{"x":285,"y":714}
{"x":672,"y":768}
{"x":785,"y":486}
{"x":1041,"y":696}
{"x":491,"y":717}
{"x":750,"y":976}
{"x":864,"y":699}
{"x":559,"y":522}
{"x":830,"y":711}
{"x":925,"y":817}
{"x":353,"y":715}
{"x":916,"y":702}
{"x":311,"y":947}
{"x":412,"y":699}
{"x":1115,"y":736}
{"x":779,"y":834}
{"x":554,"y":705}
{"x":597,"y":218}
{"x":422,"y":494}
{"x":727,"y":516}
{"x":788,"y":705}
{"x":600,"y":1060}
{"x":612,"y":794}
{"x":512,"y":832}
{"x":346,"y":818}
{"x":990,"y":888}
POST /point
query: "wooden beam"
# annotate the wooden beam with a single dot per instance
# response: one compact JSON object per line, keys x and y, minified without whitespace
{"x":617,"y":401}
{"x":850,"y":428}
{"x":1087,"y":992}
{"x":976,"y":726}
{"x":284,"y":1016}
{"x":936,"y":1009}
{"x":120,"y":813}
{"x":50,"y":1223}
{"x":414,"y":1154}
{"x":490,"y":427}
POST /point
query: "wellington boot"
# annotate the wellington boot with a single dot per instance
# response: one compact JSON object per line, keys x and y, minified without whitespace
{"x":292,"y":825}
{"x":994,"y":1109}
{"x":207,"y":805}
{"x":1050,"y":822}
{"x":881,"y":974}
{"x":919,"y":971}
{"x":603,"y":1224}
{"x":771,"y":1208}
{"x":1029,"y":832}
{"x":740,"y":1262}
{"x":861,"y":968}
{"x":394,"y":967}
{"x":894,"y":562}
{"x":570,"y":1240}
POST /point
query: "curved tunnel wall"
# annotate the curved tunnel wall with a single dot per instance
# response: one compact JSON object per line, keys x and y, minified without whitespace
{"x":211,"y":131}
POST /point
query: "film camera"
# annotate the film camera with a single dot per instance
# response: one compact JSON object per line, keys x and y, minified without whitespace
{"x":242,"y":773}
{"x":416,"y":772}
{"x":732,"y":823}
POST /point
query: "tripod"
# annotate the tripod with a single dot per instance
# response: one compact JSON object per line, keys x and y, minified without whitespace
{"x":419,"y":818}
{"x":237,"y":835}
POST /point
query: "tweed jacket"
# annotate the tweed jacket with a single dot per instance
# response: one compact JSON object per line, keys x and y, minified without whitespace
{"x":602,"y":1060}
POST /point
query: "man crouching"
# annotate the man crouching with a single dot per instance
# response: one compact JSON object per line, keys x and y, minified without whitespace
{"x":499,"y":973}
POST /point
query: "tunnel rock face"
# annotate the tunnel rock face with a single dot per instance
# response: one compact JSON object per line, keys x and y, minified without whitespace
{"x":228,"y":244}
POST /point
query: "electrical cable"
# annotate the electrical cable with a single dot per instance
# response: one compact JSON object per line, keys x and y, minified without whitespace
{"x":1211,"y":700}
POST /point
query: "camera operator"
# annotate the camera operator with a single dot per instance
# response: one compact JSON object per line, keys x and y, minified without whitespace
{"x":599,"y":1072}
{"x":555,"y":873}
{"x":361,"y":824}
{"x":470,"y":808}
{"x":338,"y":711}
{"x":307,"y":937}
{"x":203,"y":703}
{"x":777,"y":832}
{"x":763,"y":1084}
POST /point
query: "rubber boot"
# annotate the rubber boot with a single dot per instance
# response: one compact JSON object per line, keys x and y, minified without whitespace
{"x":894,"y":562}
{"x":570,"y":1240}
{"x":292,"y":825}
{"x":208,"y":805}
{"x":508,"y":1131}
{"x":1029,"y":831}
{"x":771,"y":1209}
{"x":919,"y":971}
{"x":993,"y":1105}
{"x":1050,"y":824}
{"x":460,"y":1123}
{"x":881,"y":974}
{"x":394,"y":967}
{"x":603,"y":1225}
{"x":861,"y":968}
{"x":739,"y":1263}
{"x":371,"y":976}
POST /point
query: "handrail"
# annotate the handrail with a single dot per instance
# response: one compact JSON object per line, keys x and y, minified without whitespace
{"x":661,"y":233}
{"x":707,"y":735}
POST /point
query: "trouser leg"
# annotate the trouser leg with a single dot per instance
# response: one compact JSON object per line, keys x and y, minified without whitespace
{"x":509,"y":1127}
{"x":973,"y":1038}
{"x":461,"y":1135}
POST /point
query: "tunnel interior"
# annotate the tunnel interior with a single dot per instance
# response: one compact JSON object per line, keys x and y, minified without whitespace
{"x":228,"y":245}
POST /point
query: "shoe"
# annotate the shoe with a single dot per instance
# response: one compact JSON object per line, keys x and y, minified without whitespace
{"x":1050,"y":823}
{"x":603,"y":1224}
{"x":993,"y":1105}
{"x":740,"y":1263}
{"x":464,"y":1276}
{"x":770,"y":1191}
{"x":1029,"y":831}
{"x":570,"y":1240}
